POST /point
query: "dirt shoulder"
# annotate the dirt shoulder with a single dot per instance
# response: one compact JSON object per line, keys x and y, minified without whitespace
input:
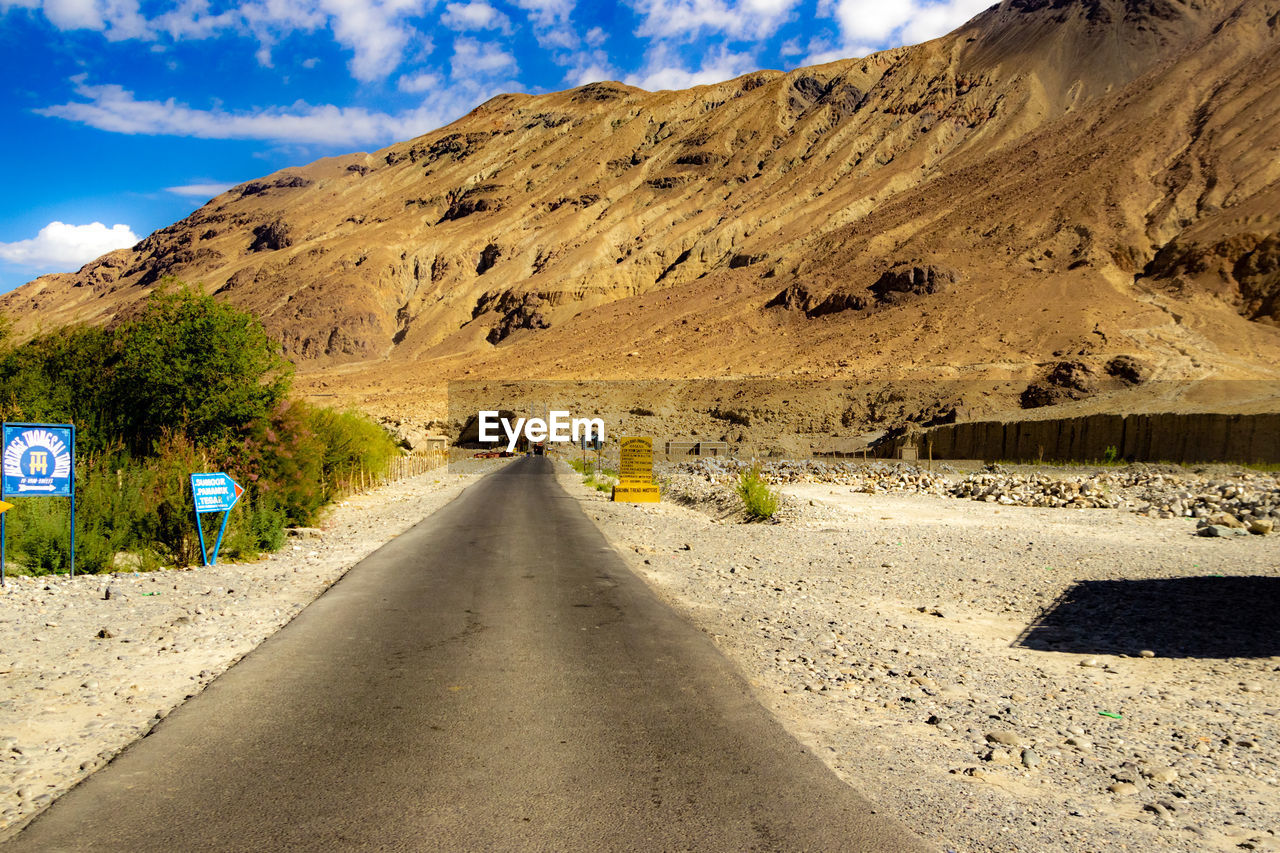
{"x":1002,"y":678}
{"x":91,"y":663}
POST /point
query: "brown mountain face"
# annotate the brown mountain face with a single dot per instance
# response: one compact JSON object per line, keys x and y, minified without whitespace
{"x":1059,"y":181}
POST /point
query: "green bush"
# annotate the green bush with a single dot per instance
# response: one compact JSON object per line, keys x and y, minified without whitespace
{"x":111,"y":510}
{"x":169,"y":527}
{"x":600,"y":481}
{"x":65,"y":377}
{"x":43,"y":531}
{"x":737,"y":417}
{"x":192,"y":363}
{"x":352,"y":442}
{"x":190,"y":384}
{"x":257,"y":525}
{"x":760,"y":501}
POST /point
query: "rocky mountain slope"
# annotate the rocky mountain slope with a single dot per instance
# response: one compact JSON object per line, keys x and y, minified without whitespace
{"x":1059,"y":182}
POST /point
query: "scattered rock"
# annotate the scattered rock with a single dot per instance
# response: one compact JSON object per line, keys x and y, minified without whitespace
{"x":1004,"y":738}
{"x":524,"y":312}
{"x":488,"y":257}
{"x":271,"y":236}
{"x":1128,"y":369}
{"x":998,"y":756}
{"x":1067,"y":380}
{"x":904,"y":281}
{"x":1160,"y":774}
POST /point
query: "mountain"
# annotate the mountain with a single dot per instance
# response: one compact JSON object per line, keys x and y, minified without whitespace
{"x":1059,"y":185}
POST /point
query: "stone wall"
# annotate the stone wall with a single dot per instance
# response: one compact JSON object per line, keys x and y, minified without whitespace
{"x":1142,"y":438}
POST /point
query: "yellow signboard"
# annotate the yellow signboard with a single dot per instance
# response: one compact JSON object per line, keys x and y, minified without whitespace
{"x":636,"y":493}
{"x":636,"y":462}
{"x":635,"y":470}
{"x":4,"y":507}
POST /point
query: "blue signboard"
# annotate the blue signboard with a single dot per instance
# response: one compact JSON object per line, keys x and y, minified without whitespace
{"x":213,"y":493}
{"x":38,"y":460}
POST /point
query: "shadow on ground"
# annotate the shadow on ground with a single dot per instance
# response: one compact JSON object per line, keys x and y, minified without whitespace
{"x":1203,"y":617}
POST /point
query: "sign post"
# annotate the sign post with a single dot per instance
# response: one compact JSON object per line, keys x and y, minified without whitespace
{"x":596,"y":444}
{"x":213,"y":493}
{"x":39,"y":462}
{"x":635,"y":472}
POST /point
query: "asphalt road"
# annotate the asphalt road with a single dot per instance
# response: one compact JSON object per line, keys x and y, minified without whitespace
{"x":493,"y":679}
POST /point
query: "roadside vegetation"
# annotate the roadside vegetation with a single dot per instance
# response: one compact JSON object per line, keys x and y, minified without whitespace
{"x":189,"y":384}
{"x":601,"y":479}
{"x":760,"y":501}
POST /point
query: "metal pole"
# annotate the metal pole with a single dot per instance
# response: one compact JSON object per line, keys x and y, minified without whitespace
{"x":204,"y":553}
{"x":73,"y":500}
{"x":217,"y":545}
{"x":2,"y":515}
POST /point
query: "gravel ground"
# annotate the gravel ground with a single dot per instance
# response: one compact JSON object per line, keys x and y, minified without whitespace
{"x":1001,"y":677}
{"x":91,"y":663}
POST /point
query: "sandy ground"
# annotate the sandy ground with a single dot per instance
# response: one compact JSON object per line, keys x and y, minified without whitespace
{"x":91,"y":663}
{"x":1001,"y":678}
{"x":950,"y":658}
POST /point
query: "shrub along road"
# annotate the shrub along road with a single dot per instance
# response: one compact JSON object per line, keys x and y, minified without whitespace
{"x":493,"y":679}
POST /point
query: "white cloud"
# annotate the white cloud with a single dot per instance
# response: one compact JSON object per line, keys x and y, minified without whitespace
{"x":472,"y":59}
{"x":820,"y":54}
{"x":377,"y":32}
{"x":552,"y":26}
{"x":74,"y":15}
{"x":418,"y":83}
{"x":65,"y":247}
{"x":938,"y":19}
{"x":870,"y":20}
{"x":547,"y":13}
{"x":662,"y":71}
{"x":476,"y":15}
{"x":684,"y":20}
{"x":591,"y":72}
{"x":114,"y":108}
{"x":588,"y":66}
{"x":116,"y":19}
{"x":199,"y":191}
{"x":191,"y":19}
{"x":876,"y":22}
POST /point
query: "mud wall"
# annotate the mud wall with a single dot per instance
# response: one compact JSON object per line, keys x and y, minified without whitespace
{"x":1142,"y":438}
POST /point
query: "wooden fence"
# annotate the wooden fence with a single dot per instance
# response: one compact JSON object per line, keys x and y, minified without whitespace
{"x":358,"y":480}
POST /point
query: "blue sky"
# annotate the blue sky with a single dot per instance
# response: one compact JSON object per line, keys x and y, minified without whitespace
{"x":121,"y":116}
